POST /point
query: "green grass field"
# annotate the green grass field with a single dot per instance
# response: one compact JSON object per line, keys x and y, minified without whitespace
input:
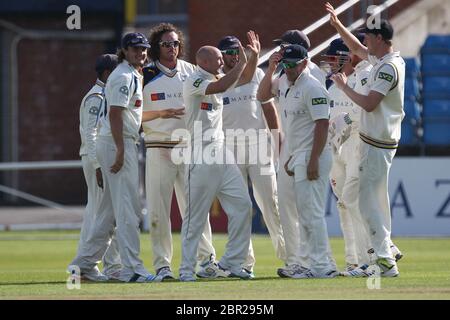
{"x":32,"y":266}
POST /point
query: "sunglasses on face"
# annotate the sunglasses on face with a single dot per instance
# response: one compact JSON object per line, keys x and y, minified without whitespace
{"x":169,"y":44}
{"x":230,"y":52}
{"x":290,"y":64}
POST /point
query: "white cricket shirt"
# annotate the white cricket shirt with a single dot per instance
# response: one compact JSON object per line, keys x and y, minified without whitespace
{"x":123,"y":89}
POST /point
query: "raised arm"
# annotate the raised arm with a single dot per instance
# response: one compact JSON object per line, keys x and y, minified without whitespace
{"x":255,"y":47}
{"x":231,"y":77}
{"x":265,"y":86}
{"x":350,"y":40}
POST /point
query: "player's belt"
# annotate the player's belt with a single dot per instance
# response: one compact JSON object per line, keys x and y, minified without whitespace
{"x":165,"y":144}
{"x":378,"y":143}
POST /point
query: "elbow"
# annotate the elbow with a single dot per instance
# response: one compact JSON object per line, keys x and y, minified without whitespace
{"x":370,"y":107}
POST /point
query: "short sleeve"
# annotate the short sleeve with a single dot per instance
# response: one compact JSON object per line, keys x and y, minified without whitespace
{"x":385,"y":79}
{"x":119,"y":91}
{"x":318,"y":102}
{"x":197,"y":86}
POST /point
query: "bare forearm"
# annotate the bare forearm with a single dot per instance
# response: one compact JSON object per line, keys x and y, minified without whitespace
{"x":320,"y":138}
{"x":226,"y":81}
{"x":271,"y":115}
{"x":361,"y":100}
{"x":150,"y":115}
{"x":351,"y":41}
{"x":116,"y":121}
{"x":265,"y":86}
{"x":249,"y":70}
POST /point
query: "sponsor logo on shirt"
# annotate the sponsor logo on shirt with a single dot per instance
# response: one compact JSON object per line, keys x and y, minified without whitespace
{"x":227,"y":100}
{"x":158,"y":96}
{"x":124,"y":90}
{"x":385,"y":76}
{"x":138,"y":103}
{"x":93,"y":110}
{"x":317,"y":101}
{"x":206,"y":106}
{"x":197,"y":82}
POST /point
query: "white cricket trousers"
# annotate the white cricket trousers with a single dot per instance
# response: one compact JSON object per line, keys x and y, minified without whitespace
{"x":374,"y":198}
{"x":91,"y":249}
{"x":204,"y":182}
{"x":344,"y":177}
{"x":261,"y":171}
{"x":311,"y":198}
{"x":297,"y":248}
{"x":123,"y":204}
{"x":161,"y":177}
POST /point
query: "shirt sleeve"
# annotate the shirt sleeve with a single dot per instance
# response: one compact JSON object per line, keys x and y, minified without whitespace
{"x":120,"y":94}
{"x":318,"y":102}
{"x":362,"y":79}
{"x":91,"y":109}
{"x":385,"y":79}
{"x":197,"y":86}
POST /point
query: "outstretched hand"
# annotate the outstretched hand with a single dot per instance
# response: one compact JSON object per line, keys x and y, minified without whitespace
{"x":334,"y":21}
{"x":171,"y":113}
{"x":253,"y":42}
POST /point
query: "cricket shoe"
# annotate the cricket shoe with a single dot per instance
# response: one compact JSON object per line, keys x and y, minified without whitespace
{"x":250,"y":272}
{"x":291,"y":271}
{"x":94,"y":275}
{"x":139,"y":278}
{"x":350,"y":267}
{"x":360,"y":272}
{"x":308,"y":274}
{"x":396,"y":252}
{"x":387,"y":269}
{"x":187,"y":277}
{"x":211,"y":270}
{"x":115,"y":276}
{"x":241,"y":274}
{"x":164,"y":273}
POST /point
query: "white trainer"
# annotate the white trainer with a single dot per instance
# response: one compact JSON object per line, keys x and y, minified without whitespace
{"x":212,"y":271}
{"x":164,"y":273}
{"x":387,"y":269}
{"x":94,"y":275}
{"x":362,"y":271}
{"x":187,"y":277}
{"x":396,"y":252}
{"x":291,"y":271}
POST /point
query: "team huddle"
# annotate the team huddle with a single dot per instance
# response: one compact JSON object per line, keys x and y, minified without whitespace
{"x":336,"y":124}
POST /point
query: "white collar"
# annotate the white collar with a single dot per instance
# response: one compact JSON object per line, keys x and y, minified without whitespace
{"x":99,"y":83}
{"x":167,"y":71}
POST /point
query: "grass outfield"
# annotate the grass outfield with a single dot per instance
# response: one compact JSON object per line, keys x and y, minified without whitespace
{"x":32,"y":266}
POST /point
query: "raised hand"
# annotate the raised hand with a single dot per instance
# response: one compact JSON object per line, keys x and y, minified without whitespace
{"x":340,"y":80}
{"x":334,"y":21}
{"x":274,"y":60}
{"x":242,"y":55}
{"x":253,"y":42}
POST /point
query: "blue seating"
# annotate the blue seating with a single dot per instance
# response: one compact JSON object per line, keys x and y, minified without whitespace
{"x":412,"y":68}
{"x":408,"y":136}
{"x":436,"y":131}
{"x":436,"y":64}
{"x":412,"y":109}
{"x":412,"y":89}
{"x":436,"y":108}
{"x":436,"y":44}
{"x":436,"y":87}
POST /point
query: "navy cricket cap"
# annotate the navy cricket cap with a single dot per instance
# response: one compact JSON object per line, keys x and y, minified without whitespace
{"x":135,"y":39}
{"x":385,"y":29}
{"x":337,"y":47}
{"x":294,"y":52}
{"x":294,"y":37}
{"x":228,"y":42}
{"x":106,"y":62}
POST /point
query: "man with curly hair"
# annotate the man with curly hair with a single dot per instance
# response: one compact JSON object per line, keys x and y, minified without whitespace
{"x":163,"y":105}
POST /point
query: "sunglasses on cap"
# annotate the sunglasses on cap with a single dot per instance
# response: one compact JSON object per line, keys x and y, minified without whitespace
{"x":290,"y":64}
{"x":169,"y":44}
{"x":230,"y":52}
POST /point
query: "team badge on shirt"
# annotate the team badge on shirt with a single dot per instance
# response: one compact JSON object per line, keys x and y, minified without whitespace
{"x":206,"y":106}
{"x":158,"y":96}
{"x":317,"y":101}
{"x":197,"y":82}
{"x":124,"y":90}
{"x":363,"y":81}
{"x":226,"y":100}
{"x":385,"y":76}
{"x":138,"y":103}
{"x":93,"y":110}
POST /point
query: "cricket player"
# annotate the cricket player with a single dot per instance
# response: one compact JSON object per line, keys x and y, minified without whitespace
{"x":294,"y":234}
{"x":306,"y":108}
{"x":344,"y":138}
{"x":247,"y":136}
{"x":212,"y":171}
{"x":88,"y":246}
{"x":380,"y":130}
{"x":117,"y":153}
{"x":163,"y":97}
